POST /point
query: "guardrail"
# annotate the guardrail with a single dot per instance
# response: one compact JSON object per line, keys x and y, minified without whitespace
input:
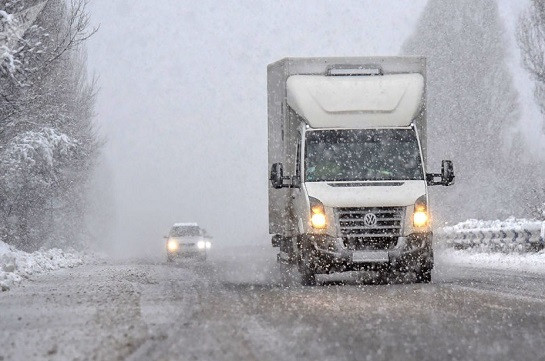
{"x":495,"y":236}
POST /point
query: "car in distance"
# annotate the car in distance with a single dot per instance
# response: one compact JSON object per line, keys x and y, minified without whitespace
{"x":187,"y":240}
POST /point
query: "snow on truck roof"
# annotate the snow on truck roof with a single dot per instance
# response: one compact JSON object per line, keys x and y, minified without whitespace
{"x":185,"y":225}
{"x":391,"y":100}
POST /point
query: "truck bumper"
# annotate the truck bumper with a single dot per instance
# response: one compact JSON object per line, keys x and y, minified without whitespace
{"x":410,"y":253}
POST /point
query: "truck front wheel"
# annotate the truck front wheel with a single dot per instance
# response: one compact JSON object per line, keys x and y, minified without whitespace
{"x":308,"y":279}
{"x":423,"y":275}
{"x":307,"y":268}
{"x":423,"y":263}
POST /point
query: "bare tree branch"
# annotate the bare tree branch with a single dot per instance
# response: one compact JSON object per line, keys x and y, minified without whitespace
{"x":531,"y":40}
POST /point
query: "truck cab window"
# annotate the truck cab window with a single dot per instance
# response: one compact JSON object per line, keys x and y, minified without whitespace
{"x":362,"y":155}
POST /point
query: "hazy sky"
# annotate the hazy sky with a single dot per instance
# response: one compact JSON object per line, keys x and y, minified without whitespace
{"x":531,"y":118}
{"x":183,"y":99}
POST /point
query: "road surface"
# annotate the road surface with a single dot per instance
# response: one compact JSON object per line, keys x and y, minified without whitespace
{"x":234,"y":307}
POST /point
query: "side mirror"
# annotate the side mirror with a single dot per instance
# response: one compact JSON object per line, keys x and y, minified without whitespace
{"x":295,"y":182}
{"x":446,"y":176}
{"x":447,"y":173}
{"x":277,"y":175}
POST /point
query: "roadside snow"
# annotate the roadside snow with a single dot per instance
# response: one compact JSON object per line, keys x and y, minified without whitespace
{"x":522,"y":262}
{"x":510,"y":223}
{"x":17,"y":265}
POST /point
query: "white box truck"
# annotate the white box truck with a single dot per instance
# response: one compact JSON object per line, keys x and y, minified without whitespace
{"x":347,"y":159}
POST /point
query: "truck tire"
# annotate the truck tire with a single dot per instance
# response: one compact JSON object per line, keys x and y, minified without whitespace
{"x":285,"y":274}
{"x":423,"y":273}
{"x":306,"y":268}
{"x":308,"y":279}
{"x":423,"y":276}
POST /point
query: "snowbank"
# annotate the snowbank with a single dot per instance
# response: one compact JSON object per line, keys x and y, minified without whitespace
{"x":17,"y":265}
{"x":525,"y":262}
{"x":510,"y":223}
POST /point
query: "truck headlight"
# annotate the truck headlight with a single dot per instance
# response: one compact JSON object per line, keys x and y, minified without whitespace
{"x":420,"y":219}
{"x":420,"y":216}
{"x":201,"y":245}
{"x":172,"y":245}
{"x":317,"y":214}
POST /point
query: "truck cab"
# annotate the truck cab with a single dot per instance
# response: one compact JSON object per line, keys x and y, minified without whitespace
{"x":347,"y":154}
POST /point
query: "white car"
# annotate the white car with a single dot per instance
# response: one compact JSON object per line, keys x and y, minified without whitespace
{"x":187,"y":240}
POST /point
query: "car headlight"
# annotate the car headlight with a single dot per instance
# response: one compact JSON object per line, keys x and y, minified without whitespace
{"x":208,"y":245}
{"x":172,"y":245}
{"x":317,"y":214}
{"x":201,"y":245}
{"x":420,"y":216}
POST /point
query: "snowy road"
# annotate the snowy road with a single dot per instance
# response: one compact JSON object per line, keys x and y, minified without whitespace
{"x":236,"y":309}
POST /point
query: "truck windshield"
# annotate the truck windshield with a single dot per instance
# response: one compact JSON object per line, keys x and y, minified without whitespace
{"x":362,"y":155}
{"x":185,"y":231}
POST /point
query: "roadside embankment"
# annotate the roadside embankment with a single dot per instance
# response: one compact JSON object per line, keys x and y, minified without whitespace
{"x":16,"y":265}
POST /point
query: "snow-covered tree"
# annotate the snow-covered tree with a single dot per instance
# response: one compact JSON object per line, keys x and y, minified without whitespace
{"x":48,"y":144}
{"x":20,"y":39}
{"x":472,"y":109}
{"x":33,"y":165}
{"x":531,"y":39}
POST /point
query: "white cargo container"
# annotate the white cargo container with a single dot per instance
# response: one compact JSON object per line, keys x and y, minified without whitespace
{"x":347,"y":154}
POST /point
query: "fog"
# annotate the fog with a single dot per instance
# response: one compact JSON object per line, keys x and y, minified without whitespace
{"x":182,"y":101}
{"x":531,"y":118}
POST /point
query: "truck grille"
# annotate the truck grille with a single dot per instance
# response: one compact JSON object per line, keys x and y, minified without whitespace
{"x":361,"y":234}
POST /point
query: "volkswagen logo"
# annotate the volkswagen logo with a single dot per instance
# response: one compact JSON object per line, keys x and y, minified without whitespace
{"x":369,"y":219}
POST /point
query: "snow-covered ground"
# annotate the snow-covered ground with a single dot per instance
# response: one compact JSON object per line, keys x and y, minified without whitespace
{"x":230,"y":308}
{"x":16,"y":265}
{"x":522,"y":262}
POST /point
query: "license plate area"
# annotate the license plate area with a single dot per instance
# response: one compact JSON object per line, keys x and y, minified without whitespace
{"x":369,"y":256}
